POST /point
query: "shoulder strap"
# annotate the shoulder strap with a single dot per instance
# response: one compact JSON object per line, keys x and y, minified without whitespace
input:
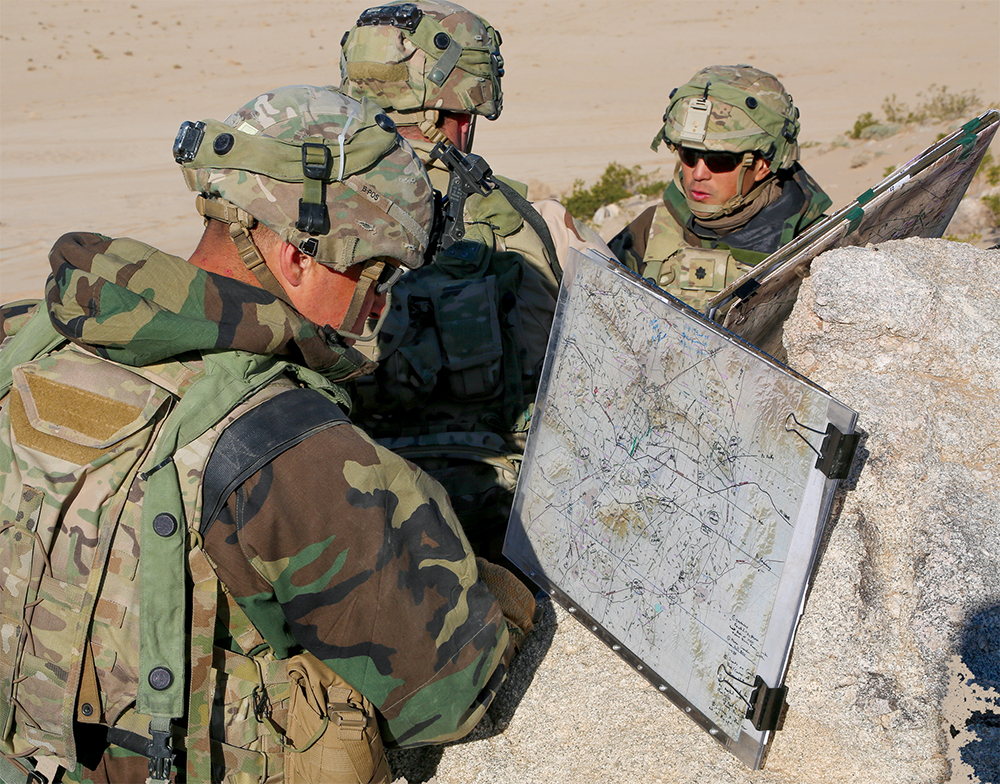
{"x":259,"y":436}
{"x":530,"y":214}
{"x":34,"y":338}
{"x":471,"y":174}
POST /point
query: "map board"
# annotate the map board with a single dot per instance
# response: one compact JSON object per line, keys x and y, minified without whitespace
{"x":669,"y":497}
{"x":917,"y":200}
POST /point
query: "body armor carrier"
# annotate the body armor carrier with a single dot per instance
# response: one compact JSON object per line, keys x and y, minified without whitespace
{"x":103,"y":462}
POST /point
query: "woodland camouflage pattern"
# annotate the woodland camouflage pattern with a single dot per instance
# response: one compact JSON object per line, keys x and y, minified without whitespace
{"x":381,"y":208}
{"x":393,"y":67}
{"x":430,"y":660}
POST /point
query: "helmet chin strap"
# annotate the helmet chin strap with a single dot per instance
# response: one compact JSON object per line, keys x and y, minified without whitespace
{"x":369,"y":277}
{"x":430,"y":121}
{"x":426,"y":121}
{"x":709,"y":211}
{"x":240,"y":222}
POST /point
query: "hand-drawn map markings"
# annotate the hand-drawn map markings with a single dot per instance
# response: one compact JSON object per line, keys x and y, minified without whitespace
{"x":669,"y":496}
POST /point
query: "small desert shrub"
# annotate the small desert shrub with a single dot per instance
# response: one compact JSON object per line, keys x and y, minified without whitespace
{"x":865,"y":120}
{"x":993,"y":202}
{"x":618,"y":182}
{"x":972,"y":238}
{"x":937,"y":103}
{"x":989,"y":169}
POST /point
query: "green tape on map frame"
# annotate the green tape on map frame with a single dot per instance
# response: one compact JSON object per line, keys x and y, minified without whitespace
{"x":854,"y":218}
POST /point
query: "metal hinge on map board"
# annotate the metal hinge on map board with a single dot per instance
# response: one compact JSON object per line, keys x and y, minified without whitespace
{"x":837,"y":453}
{"x":766,"y":705}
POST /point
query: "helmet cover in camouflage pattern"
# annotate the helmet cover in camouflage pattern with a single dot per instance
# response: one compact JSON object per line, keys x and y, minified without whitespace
{"x":371,"y":194}
{"x":733,"y":108}
{"x":429,"y":54}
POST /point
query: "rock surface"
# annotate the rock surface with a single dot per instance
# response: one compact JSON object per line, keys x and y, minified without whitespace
{"x":895,"y":673}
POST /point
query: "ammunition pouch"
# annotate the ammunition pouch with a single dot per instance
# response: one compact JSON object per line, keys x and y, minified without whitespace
{"x":333,"y":733}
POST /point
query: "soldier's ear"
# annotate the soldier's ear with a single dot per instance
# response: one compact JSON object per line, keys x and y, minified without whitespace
{"x":292,"y":264}
{"x":760,"y":169}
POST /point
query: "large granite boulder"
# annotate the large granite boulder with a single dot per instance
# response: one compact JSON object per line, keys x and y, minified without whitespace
{"x":895,"y":673}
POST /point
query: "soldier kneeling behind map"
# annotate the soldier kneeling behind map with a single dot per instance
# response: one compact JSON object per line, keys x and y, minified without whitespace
{"x":201,"y":556}
{"x":738,"y":192}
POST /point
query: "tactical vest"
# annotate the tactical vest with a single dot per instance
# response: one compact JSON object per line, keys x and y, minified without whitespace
{"x":102,"y":462}
{"x":460,"y":354}
{"x":661,"y":246}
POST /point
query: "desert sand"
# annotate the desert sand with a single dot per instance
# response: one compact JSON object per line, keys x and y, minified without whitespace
{"x":93,"y":92}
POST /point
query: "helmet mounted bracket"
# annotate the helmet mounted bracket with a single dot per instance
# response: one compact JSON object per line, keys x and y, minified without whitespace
{"x":696,"y":120}
{"x":313,"y":216}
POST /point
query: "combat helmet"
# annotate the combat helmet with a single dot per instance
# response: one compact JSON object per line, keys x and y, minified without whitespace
{"x":326,"y":173}
{"x":733,"y":108}
{"x":416,"y":59}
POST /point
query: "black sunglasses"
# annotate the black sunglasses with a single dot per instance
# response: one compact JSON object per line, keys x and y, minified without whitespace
{"x":718,"y":162}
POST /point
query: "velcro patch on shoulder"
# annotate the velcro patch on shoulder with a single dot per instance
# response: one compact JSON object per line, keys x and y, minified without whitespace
{"x":77,"y":407}
{"x":41,"y":441}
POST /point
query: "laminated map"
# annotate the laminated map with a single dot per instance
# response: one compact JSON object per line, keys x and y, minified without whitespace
{"x":670,"y":496}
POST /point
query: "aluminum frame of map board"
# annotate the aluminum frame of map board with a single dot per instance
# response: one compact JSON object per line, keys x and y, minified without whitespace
{"x":562,"y":537}
{"x":917,"y":200}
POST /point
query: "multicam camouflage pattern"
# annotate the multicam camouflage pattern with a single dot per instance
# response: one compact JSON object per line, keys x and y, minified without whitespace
{"x":78,"y":439}
{"x":396,"y":68}
{"x":376,"y":194}
{"x":750,"y":112}
{"x":665,"y":245}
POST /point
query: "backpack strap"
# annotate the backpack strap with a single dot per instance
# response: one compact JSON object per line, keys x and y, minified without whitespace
{"x":259,"y":436}
{"x":536,"y":221}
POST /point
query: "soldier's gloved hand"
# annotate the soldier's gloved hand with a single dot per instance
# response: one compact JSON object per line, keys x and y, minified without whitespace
{"x":515,"y":599}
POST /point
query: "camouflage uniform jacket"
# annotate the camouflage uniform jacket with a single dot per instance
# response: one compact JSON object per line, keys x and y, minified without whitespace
{"x":338,"y":546}
{"x":461,"y":351}
{"x":692,"y":262}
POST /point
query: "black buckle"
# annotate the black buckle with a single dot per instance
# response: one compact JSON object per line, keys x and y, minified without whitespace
{"x":261,"y":704}
{"x":496,"y":64}
{"x":312,"y":218}
{"x":387,"y":278}
{"x":405,"y":16}
{"x":315,"y":170}
{"x":34,"y":777}
{"x":765,"y":705}
{"x":788,"y":130}
{"x":189,"y":138}
{"x":161,"y":756}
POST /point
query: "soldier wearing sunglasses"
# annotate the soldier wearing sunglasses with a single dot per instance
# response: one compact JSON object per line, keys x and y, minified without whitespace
{"x":738,"y":192}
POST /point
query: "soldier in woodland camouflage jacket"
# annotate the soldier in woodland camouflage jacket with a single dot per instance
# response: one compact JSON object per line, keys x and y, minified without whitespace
{"x":738,"y":192}
{"x":337,"y":556}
